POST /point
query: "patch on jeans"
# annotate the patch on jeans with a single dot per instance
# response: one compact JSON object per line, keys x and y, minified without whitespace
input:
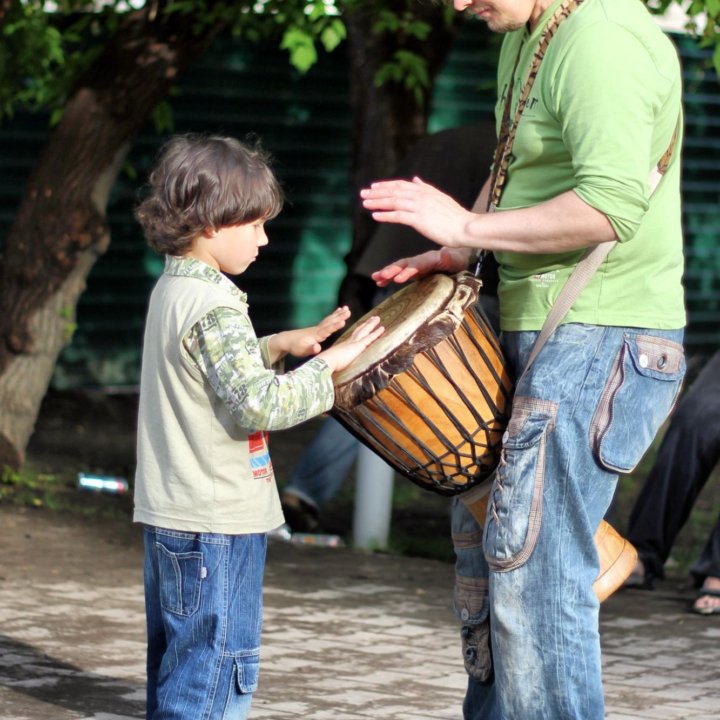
{"x":515,"y":507}
{"x":476,"y":650}
{"x":471,"y":598}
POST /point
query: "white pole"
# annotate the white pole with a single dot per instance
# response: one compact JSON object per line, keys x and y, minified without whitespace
{"x":373,"y":501}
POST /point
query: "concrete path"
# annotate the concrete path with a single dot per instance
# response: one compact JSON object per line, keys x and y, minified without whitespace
{"x":348,"y":635}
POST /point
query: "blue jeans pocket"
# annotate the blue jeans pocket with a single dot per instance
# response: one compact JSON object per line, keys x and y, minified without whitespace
{"x":641,"y":390}
{"x":515,"y":511}
{"x":247,"y":672}
{"x":180,"y":580}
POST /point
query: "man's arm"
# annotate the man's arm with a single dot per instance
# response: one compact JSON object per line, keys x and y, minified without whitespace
{"x":561,"y":224}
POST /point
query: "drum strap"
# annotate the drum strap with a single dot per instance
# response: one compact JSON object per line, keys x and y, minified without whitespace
{"x":594,"y":256}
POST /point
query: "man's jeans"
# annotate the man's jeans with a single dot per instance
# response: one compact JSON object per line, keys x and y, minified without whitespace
{"x":586,"y":410}
{"x":203,"y":602}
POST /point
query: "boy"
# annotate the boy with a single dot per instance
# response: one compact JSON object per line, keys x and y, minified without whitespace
{"x":205,"y":489}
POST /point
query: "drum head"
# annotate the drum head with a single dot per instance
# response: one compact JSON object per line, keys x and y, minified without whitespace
{"x":415,"y":318}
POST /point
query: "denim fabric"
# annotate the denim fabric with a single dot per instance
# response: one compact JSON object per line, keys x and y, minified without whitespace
{"x":203,"y":602}
{"x":471,"y":591}
{"x":587,"y":408}
{"x":688,"y":453}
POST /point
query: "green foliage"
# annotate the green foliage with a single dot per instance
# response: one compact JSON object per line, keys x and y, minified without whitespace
{"x":301,"y":46}
{"x":703,"y":24}
{"x":409,"y":70}
{"x":45,"y":47}
{"x":305,"y":26}
{"x":406,"y":68}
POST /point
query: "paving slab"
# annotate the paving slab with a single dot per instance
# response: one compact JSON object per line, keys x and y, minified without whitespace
{"x":348,"y":635}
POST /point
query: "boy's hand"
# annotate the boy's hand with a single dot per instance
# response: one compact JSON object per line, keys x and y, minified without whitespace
{"x":340,"y":355}
{"x":412,"y":268}
{"x":306,"y":341}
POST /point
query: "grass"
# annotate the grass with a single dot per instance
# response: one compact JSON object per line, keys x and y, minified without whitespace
{"x":31,"y":488}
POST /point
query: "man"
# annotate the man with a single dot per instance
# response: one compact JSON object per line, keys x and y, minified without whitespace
{"x":602,"y":111}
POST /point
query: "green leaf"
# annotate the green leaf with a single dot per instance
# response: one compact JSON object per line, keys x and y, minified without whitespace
{"x":333,"y":35}
{"x":387,"y":22}
{"x":418,"y":29}
{"x":162,"y":117}
{"x":301,"y":47}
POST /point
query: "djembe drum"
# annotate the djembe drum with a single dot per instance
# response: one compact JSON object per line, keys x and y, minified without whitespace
{"x":432,"y":397}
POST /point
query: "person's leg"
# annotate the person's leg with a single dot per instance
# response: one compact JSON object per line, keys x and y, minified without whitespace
{"x":156,"y":640}
{"x":586,"y":410}
{"x":324,"y":465}
{"x":687,"y":455}
{"x":209,"y":594}
{"x":471,"y":607}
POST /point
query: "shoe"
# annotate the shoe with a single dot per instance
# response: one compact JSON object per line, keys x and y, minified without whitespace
{"x":301,"y":516}
{"x":705,"y":592}
{"x":640,"y":579}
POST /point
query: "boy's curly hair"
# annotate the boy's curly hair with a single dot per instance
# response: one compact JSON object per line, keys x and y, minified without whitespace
{"x":204,"y":183}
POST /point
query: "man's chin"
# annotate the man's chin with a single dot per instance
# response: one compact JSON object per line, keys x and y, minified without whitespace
{"x":501,"y":28}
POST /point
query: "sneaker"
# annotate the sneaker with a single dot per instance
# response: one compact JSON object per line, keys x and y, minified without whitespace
{"x":299,"y":515}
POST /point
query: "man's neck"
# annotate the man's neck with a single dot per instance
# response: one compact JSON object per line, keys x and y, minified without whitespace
{"x":537,"y":12}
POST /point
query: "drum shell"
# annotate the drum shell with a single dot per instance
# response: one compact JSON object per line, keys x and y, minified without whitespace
{"x":440,"y":422}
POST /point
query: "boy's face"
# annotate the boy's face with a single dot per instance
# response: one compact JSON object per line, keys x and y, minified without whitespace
{"x":231,"y":249}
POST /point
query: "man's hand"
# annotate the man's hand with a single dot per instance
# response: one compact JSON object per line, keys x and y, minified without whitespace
{"x":420,"y":206}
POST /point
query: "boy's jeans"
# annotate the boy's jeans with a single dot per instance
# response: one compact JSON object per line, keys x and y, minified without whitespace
{"x":587,"y":409}
{"x":203,"y":602}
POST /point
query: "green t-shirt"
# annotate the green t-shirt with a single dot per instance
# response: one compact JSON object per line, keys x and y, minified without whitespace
{"x":601,"y":113}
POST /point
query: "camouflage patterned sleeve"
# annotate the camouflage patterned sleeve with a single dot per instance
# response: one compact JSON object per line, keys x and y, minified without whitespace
{"x":227,"y":351}
{"x":279,"y":366}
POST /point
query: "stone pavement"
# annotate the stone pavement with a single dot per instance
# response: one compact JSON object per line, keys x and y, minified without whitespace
{"x":348,"y":635}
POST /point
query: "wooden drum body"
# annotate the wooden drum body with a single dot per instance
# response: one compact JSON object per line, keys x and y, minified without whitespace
{"x":432,"y":396}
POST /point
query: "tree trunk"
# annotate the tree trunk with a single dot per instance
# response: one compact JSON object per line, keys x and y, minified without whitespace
{"x":387,"y":120}
{"x":60,"y":228}
{"x":4,"y":7}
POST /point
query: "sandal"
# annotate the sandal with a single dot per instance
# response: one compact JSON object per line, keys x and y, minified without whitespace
{"x":705,"y":592}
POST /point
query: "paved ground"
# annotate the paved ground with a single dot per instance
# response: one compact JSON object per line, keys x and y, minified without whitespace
{"x":348,"y":635}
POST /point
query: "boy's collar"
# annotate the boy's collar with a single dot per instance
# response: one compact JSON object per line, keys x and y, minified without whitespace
{"x":190,"y":267}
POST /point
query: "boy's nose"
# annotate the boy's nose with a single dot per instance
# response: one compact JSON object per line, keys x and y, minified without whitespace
{"x":461,"y":5}
{"x":263,"y":239}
